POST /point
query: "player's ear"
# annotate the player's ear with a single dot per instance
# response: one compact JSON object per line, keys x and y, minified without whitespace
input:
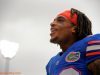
{"x":73,"y":29}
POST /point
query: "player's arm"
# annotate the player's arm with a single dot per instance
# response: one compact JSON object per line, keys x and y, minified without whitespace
{"x":94,"y":67}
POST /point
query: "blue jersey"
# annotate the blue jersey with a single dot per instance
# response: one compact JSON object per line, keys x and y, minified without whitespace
{"x":76,"y":58}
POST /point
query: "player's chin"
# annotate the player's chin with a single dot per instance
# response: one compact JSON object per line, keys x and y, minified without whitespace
{"x":53,"y":40}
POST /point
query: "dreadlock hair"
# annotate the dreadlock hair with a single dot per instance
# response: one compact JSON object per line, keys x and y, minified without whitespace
{"x":84,"y":27}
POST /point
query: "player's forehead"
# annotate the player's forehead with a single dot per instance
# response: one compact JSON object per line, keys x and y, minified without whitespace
{"x":61,"y":18}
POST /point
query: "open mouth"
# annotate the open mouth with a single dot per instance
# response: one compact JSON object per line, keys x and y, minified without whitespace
{"x":53,"y":31}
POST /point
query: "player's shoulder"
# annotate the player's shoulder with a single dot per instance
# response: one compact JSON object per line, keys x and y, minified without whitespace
{"x":94,"y":44}
{"x":95,"y":39}
{"x":54,"y":58}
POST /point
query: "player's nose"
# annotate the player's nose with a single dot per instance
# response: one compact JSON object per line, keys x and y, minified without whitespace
{"x":53,"y":24}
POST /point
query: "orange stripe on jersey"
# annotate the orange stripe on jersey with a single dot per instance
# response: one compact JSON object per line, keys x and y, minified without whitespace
{"x":92,"y":53}
{"x":92,"y":42}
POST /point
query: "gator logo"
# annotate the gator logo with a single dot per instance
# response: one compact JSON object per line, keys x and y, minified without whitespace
{"x":72,"y":57}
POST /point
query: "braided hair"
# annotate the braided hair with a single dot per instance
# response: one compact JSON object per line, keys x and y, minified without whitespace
{"x":84,"y":27}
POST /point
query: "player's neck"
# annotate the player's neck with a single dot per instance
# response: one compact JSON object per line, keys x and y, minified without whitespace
{"x":65,"y":46}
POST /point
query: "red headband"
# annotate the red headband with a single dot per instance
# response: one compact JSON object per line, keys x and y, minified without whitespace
{"x":67,"y":14}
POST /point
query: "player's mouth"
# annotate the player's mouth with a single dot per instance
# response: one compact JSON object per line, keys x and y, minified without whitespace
{"x":53,"y":31}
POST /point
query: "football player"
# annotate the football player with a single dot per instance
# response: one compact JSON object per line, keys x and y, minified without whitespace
{"x":80,"y":54}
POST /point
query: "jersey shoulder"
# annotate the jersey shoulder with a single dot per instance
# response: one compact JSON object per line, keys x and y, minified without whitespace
{"x":93,"y":46}
{"x":94,"y":37}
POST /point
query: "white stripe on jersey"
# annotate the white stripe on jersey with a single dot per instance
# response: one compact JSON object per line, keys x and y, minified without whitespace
{"x":93,"y":47}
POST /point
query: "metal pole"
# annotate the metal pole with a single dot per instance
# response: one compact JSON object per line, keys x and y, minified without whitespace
{"x":7,"y":65}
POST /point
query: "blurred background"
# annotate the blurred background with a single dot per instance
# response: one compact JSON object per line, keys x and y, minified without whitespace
{"x":27,"y":22}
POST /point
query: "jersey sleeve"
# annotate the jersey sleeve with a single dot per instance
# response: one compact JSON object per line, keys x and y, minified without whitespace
{"x":93,"y":51}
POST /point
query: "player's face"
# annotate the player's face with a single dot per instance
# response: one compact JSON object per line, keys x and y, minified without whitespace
{"x":61,"y":30}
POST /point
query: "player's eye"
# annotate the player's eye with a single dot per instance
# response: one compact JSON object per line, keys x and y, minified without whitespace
{"x":60,"y":20}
